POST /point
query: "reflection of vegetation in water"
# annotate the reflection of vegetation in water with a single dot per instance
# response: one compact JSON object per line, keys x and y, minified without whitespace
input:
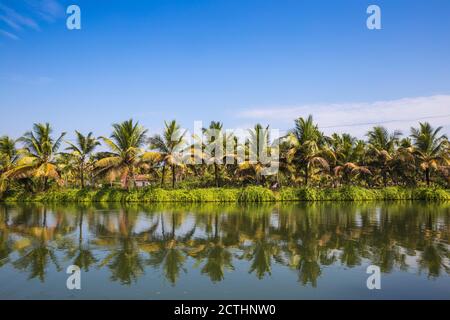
{"x":169,"y":251}
{"x":124,"y":260}
{"x":34,"y":248}
{"x":303,"y":238}
{"x":211,"y":249}
{"x":5,"y":242}
{"x":80,"y":253}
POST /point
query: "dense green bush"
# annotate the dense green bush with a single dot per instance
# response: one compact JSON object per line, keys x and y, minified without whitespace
{"x":301,"y":194}
{"x":243,"y":195}
{"x":256,"y":194}
{"x":431,"y":194}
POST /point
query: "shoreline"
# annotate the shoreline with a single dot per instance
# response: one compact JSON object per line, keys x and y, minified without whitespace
{"x":252,"y":194}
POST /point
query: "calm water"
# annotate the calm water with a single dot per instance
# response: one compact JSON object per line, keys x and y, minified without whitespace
{"x":272,"y":251}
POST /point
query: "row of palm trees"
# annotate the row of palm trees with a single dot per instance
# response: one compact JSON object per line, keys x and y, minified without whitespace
{"x":306,"y":157}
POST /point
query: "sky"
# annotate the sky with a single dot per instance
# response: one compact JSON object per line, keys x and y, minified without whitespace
{"x":236,"y":61}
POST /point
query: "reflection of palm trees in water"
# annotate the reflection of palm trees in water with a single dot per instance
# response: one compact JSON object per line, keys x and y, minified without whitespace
{"x":432,"y":259}
{"x":125,"y":260}
{"x":168,"y":250}
{"x":302,"y":237}
{"x":36,"y":257}
{"x":259,"y":246}
{"x":304,"y":250}
{"x":82,"y":254}
{"x":35,"y":248}
{"x":212,"y":249}
{"x":5,"y":241}
{"x":435,"y":254}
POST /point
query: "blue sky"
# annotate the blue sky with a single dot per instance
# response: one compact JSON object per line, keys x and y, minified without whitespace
{"x":240,"y":62}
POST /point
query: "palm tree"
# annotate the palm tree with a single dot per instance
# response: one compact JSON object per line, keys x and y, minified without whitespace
{"x":125,"y":147}
{"x":286,"y":170}
{"x":81,"y":151}
{"x":430,"y":148}
{"x":403,"y":166}
{"x":8,"y":158}
{"x":256,"y":149}
{"x":67,"y":168}
{"x":307,"y":146}
{"x":169,"y":145}
{"x":214,"y":141}
{"x":348,"y":152}
{"x":8,"y":153}
{"x":39,"y":155}
{"x":382,"y":144}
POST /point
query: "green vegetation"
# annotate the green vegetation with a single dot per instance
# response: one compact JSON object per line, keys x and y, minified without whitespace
{"x":248,"y":194}
{"x":312,"y":166}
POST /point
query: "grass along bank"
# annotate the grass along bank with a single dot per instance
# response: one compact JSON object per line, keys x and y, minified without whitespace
{"x":237,"y":195}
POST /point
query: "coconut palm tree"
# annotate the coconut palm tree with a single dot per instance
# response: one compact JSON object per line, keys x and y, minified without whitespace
{"x":382,"y":146}
{"x":125,"y":145}
{"x":169,"y":145}
{"x":39,"y":155}
{"x":67,"y":168}
{"x":430,"y":148}
{"x":258,"y":146}
{"x":307,"y":147}
{"x":8,"y":153}
{"x":348,"y":153}
{"x":215,"y":144}
{"x":81,"y":151}
{"x":403,"y":168}
{"x":9,"y":156}
{"x":286,"y":170}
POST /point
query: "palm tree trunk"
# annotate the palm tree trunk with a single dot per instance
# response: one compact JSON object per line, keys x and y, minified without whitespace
{"x":82,"y":177}
{"x":133,"y":176}
{"x":81,"y":169}
{"x":427,"y":176}
{"x":163,"y":174}
{"x":216,"y":174}
{"x":306,"y":175}
{"x":45,"y":183}
{"x":173,"y":176}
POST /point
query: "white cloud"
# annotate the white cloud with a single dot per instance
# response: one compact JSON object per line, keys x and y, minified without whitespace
{"x":48,"y":10}
{"x":356,"y":118}
{"x":32,"y":12}
{"x":17,"y":20}
{"x":9,"y":35}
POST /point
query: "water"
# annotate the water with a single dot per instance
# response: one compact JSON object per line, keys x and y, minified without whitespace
{"x":271,"y":251}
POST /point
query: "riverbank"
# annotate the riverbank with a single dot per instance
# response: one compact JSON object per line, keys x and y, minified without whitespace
{"x":237,"y":195}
